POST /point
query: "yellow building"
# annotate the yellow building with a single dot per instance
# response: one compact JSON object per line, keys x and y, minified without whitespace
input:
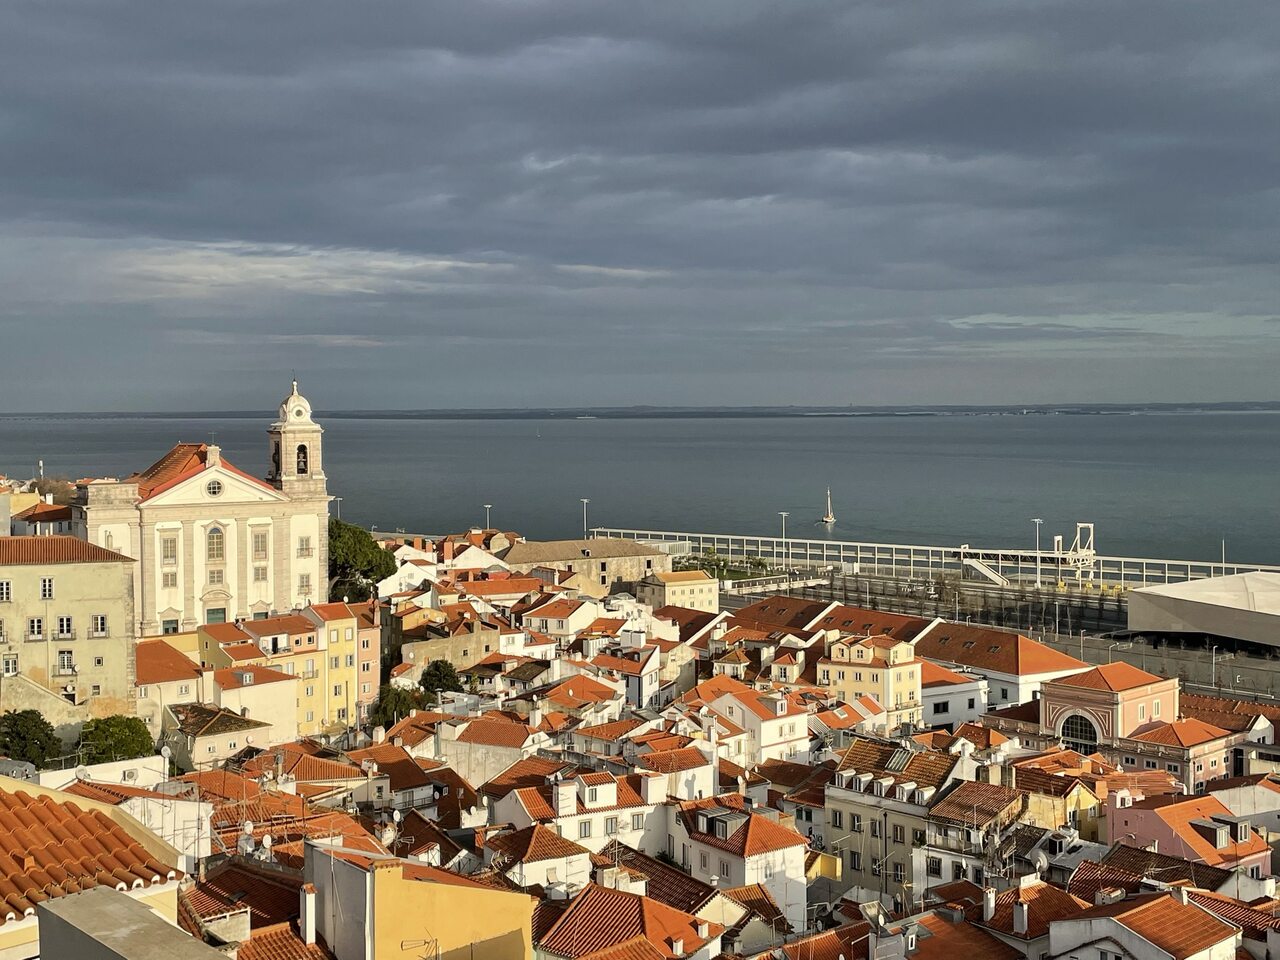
{"x":370,"y":906}
{"x":879,"y":667}
{"x":318,"y":646}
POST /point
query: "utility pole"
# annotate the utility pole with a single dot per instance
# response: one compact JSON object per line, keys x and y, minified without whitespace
{"x":1037,"y":521}
{"x":487,"y":508}
{"x":585,"y":501}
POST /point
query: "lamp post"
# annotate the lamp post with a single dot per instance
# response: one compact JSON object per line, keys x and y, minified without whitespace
{"x":338,"y":502}
{"x":784,"y":514}
{"x":1037,"y":521}
{"x":487,"y":508}
{"x":585,"y":501}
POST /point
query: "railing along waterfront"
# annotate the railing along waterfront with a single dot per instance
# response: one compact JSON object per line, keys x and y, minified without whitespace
{"x":1072,"y":569}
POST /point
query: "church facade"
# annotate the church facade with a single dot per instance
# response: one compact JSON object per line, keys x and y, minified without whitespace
{"x":215,"y":544}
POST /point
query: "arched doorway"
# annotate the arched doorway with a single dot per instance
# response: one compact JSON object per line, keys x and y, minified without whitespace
{"x":1079,"y":734}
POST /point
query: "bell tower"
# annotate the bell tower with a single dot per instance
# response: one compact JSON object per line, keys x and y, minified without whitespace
{"x":297,"y":449}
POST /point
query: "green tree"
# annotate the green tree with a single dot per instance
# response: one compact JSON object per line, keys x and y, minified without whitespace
{"x":393,"y":704}
{"x":356,"y":562}
{"x":440,"y":675}
{"x":115,"y":738}
{"x":26,"y":735}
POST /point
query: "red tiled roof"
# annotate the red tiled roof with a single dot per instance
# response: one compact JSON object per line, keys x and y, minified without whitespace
{"x":496,"y":733}
{"x":599,"y":918}
{"x":16,"y":551}
{"x":233,"y":678}
{"x":50,"y":847}
{"x":334,"y":611}
{"x":1179,"y":733}
{"x":42,"y":512}
{"x":292,"y":624}
{"x":401,"y":770}
{"x":985,"y":648}
{"x":1179,"y":929}
{"x":759,"y":834}
{"x":534,"y":844}
{"x":936,"y":675}
{"x":527,"y":772}
{"x":958,"y":941}
{"x":281,"y":943}
{"x":1045,"y":903}
{"x":833,"y":944}
{"x":160,"y":662}
{"x":413,"y":730}
{"x":272,"y":898}
{"x":539,"y":801}
{"x":580,"y":691}
{"x":673,"y":761}
{"x":614,"y":730}
{"x":183,"y":461}
{"x":113,"y":793}
{"x":756,"y":898}
{"x":925,"y":768}
{"x":782,"y":611}
{"x":1115,"y":677}
{"x":976,"y":804}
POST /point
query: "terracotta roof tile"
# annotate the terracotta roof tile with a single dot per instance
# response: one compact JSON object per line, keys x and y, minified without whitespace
{"x":1179,"y":929}
{"x":986,"y":648}
{"x":599,"y":918}
{"x":1179,"y":733}
{"x":673,"y":761}
{"x":51,"y":846}
{"x":1162,"y":867}
{"x":16,"y":551}
{"x":235,"y":678}
{"x":1045,"y":903}
{"x":534,"y":844}
{"x":160,"y":662}
{"x":834,"y":944}
{"x":941,"y":939}
{"x":925,"y":768}
{"x":756,"y":898}
{"x":1115,"y":677}
{"x":527,"y":772}
{"x":495,"y":733}
{"x":977,"y":804}
{"x":665,"y":883}
{"x":758,"y":834}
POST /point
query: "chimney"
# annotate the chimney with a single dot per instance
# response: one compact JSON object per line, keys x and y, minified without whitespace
{"x":379,"y":734}
{"x":1020,"y":911}
{"x":307,"y":912}
{"x":446,"y":549}
{"x":713,"y":735}
{"x":703,"y":929}
{"x":1180,"y":894}
{"x":1106,"y":895}
{"x":212,"y":456}
{"x":677,"y":947}
{"x":988,"y":904}
{"x":535,"y":712}
{"x":565,"y":795}
{"x":651,"y":788}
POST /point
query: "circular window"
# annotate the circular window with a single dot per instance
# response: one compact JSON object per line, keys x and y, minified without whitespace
{"x":213,"y":488}
{"x":298,"y":412}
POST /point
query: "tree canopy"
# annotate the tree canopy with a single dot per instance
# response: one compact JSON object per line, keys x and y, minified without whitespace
{"x":393,"y":704}
{"x":27,"y":735}
{"x":440,"y":675}
{"x":356,"y":562}
{"x":115,"y":738}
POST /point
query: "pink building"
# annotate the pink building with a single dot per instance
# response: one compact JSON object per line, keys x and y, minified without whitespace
{"x":1199,"y":829}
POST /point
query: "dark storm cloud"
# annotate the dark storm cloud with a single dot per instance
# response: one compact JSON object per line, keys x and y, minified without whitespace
{"x":711,"y":202}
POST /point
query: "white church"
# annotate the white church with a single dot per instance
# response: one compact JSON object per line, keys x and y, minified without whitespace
{"x":213,"y":543}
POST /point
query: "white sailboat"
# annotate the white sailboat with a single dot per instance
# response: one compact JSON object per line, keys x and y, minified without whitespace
{"x":829,"y":517}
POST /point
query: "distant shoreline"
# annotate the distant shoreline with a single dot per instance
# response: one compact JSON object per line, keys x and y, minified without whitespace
{"x":693,"y":413}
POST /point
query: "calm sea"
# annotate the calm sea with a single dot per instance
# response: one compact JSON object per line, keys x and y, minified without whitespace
{"x":1170,"y":486}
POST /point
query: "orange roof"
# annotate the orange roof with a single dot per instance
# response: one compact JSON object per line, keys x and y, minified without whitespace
{"x":625,"y":665}
{"x":986,"y":648}
{"x":600,"y":918}
{"x":1115,"y":677}
{"x":160,"y":662}
{"x":673,"y":761}
{"x":759,"y":834}
{"x":579,"y":691}
{"x":834,"y":944}
{"x":234,"y":678}
{"x":334,"y":611}
{"x":1045,"y":903}
{"x":1179,"y":929}
{"x":184,"y":460}
{"x":42,"y":512}
{"x":555,"y":610}
{"x":538,"y":802}
{"x":288,"y":623}
{"x":55,"y":549}
{"x":533,"y":844}
{"x":1179,"y":733}
{"x":936,"y":675}
{"x":954,"y":941}
{"x":976,"y":804}
{"x":528,"y":772}
{"x":1178,"y":815}
{"x":112,"y":793}
{"x":614,"y":730}
{"x":496,"y":733}
{"x":225,"y":633}
{"x":243,"y":651}
{"x":49,"y":847}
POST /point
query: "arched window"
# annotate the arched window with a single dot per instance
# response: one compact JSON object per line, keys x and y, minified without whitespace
{"x":109,"y":541}
{"x":1079,"y":734}
{"x":216,"y":545}
{"x":302,"y":459}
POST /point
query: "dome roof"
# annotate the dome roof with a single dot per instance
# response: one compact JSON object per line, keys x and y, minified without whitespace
{"x":295,"y":408}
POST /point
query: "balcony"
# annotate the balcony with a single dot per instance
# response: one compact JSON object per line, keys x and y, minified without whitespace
{"x":65,"y":634}
{"x":99,"y":634}
{"x":33,"y":637}
{"x":305,"y":552}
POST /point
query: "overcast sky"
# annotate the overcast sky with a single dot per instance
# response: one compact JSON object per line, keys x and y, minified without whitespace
{"x":420,"y":204}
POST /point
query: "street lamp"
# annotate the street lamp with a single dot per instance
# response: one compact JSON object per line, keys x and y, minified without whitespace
{"x":585,"y":501}
{"x":1037,"y":521}
{"x":784,"y":514}
{"x":487,"y":508}
{"x":338,"y":501}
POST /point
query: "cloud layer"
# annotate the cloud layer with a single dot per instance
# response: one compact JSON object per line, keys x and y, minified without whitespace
{"x":500,"y":203}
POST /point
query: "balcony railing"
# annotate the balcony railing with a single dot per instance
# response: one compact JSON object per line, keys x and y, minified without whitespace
{"x":33,"y":637}
{"x":304,"y":552}
{"x":99,"y":634}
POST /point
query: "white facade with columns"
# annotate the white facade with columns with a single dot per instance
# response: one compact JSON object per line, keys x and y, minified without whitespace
{"x":213,"y":542}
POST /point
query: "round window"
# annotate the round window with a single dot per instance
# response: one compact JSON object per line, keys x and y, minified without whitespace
{"x":298,"y":413}
{"x":213,"y":488}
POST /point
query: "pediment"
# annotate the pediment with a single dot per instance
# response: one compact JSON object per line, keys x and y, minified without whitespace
{"x":236,"y":488}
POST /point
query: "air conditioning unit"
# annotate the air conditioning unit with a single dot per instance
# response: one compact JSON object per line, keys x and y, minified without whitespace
{"x":130,"y":774}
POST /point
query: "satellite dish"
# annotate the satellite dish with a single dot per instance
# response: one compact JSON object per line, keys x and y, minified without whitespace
{"x":166,"y":752}
{"x":249,"y":739}
{"x":395,"y":815}
{"x":267,"y":841}
{"x":1041,"y":862}
{"x":82,"y":772}
{"x":248,"y":828}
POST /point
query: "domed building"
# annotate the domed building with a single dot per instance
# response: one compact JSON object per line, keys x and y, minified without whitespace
{"x":213,"y":543}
